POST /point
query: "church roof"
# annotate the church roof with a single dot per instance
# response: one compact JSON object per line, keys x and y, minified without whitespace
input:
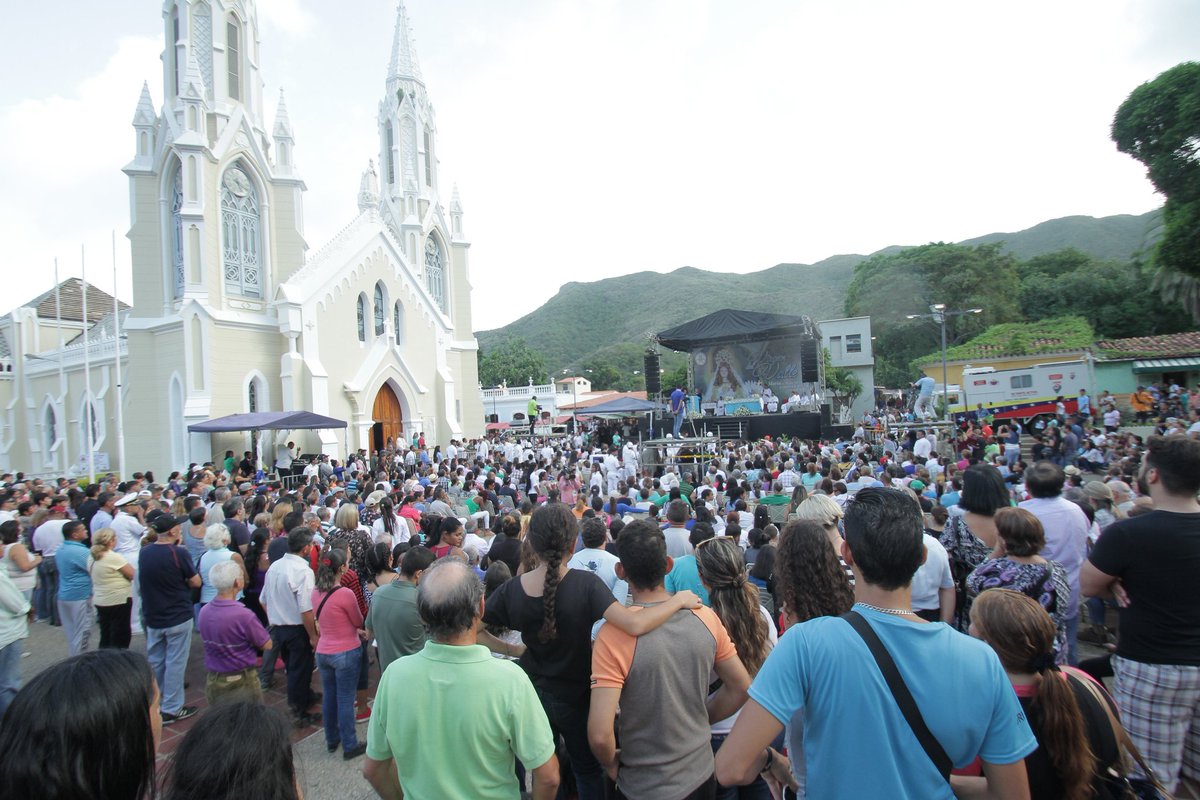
{"x":70,"y":301}
{"x":101,"y":329}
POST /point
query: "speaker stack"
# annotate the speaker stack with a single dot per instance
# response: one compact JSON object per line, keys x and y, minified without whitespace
{"x":653,"y":373}
{"x":810,"y":361}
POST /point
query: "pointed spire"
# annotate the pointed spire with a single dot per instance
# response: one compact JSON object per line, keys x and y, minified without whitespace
{"x":144,"y":115}
{"x":368,"y":188}
{"x":283,"y":125}
{"x":193,"y":81}
{"x":404,"y":64}
{"x":455,"y":201}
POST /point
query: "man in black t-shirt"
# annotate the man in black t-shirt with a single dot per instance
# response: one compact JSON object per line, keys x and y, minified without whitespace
{"x":1150,"y":564}
{"x":166,"y":576}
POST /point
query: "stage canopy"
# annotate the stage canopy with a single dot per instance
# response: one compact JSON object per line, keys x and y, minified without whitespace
{"x":624,"y":405}
{"x":267,"y":421}
{"x":731,"y":325}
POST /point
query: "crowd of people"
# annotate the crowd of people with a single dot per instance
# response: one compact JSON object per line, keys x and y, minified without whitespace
{"x":889,"y":615}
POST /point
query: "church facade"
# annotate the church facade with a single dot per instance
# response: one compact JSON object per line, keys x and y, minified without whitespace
{"x":231,"y":311}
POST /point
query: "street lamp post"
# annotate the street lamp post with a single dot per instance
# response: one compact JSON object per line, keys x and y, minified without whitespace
{"x":574,"y":402}
{"x":938,"y":314}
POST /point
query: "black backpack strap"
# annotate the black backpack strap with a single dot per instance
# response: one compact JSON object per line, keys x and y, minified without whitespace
{"x":903,"y":697}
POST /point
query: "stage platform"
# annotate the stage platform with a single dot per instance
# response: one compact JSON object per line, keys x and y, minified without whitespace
{"x":807,"y":425}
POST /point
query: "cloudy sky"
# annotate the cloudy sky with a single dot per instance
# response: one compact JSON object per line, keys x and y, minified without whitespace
{"x":595,"y":138}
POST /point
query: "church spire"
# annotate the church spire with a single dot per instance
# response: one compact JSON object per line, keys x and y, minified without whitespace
{"x":403,"y":65}
{"x":144,"y":116}
{"x":284,"y":139}
{"x":283,"y":125}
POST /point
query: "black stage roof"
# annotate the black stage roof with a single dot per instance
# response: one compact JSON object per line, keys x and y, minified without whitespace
{"x":730,"y":324}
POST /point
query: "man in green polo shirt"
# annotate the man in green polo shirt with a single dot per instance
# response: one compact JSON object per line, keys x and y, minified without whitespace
{"x":393,"y":621}
{"x":432,"y":735}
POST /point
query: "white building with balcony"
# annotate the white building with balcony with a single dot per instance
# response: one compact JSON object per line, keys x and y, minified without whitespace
{"x":850,"y":346}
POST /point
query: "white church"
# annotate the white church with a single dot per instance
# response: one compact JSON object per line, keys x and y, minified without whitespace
{"x":231,"y":311}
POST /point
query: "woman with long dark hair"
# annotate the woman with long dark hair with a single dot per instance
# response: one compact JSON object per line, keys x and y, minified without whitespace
{"x":87,"y":727}
{"x":554,"y":608}
{"x":971,"y":537}
{"x":205,"y":767}
{"x":735,"y":600}
{"x":1076,"y":742}
{"x":257,"y":563}
{"x":339,"y":652}
{"x":811,"y":583}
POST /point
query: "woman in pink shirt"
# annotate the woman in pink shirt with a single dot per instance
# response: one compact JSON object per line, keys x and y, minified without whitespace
{"x":339,"y":651}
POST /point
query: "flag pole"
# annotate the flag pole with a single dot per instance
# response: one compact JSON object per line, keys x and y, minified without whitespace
{"x":89,"y":410}
{"x":119,"y":400}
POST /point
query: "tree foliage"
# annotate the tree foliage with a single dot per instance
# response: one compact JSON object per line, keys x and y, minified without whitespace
{"x":512,"y":362}
{"x":1159,"y":125}
{"x":843,"y":384}
{"x":890,"y":286}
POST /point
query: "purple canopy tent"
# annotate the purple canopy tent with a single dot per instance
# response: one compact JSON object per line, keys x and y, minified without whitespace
{"x":267,"y":421}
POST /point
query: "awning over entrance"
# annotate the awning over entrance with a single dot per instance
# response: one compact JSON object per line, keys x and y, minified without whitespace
{"x":267,"y":421}
{"x":1166,"y":365}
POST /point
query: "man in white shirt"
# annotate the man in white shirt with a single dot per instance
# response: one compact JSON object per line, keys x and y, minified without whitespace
{"x":933,"y":596}
{"x":1194,"y":429}
{"x":287,"y":598}
{"x":1066,"y":529}
{"x":594,"y":558}
{"x":46,"y":540}
{"x":922,"y":447}
{"x":129,"y":526}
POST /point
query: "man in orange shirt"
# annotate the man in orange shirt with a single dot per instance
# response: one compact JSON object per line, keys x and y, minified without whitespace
{"x":1142,"y":403}
{"x":661,"y":682}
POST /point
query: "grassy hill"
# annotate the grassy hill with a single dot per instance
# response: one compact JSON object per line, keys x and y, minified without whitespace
{"x":584,"y":318}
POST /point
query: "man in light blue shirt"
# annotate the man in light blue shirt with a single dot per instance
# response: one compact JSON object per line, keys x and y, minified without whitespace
{"x":75,"y":587}
{"x":822,"y":678}
{"x":924,"y":406}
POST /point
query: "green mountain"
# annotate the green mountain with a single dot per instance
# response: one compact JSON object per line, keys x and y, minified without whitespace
{"x":586,"y":318}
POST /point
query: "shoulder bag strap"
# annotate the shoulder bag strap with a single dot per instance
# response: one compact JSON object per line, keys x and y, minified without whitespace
{"x":904,"y":699}
{"x":1124,"y":742}
{"x":325,"y":600}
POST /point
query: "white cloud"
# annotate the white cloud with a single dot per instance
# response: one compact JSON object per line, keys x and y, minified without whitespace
{"x":289,"y":16}
{"x":598,"y":138}
{"x":61,"y":173}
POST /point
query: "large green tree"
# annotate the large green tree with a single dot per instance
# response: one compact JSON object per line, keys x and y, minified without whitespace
{"x":513,"y":362}
{"x":1118,"y":300}
{"x":890,"y":286}
{"x":1159,"y":125}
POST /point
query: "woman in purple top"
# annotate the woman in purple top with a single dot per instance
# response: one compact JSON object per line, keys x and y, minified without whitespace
{"x":339,"y":651}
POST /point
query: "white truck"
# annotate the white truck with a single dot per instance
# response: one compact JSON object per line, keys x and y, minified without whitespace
{"x":1022,"y":393}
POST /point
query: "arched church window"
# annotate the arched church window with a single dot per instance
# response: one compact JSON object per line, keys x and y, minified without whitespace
{"x":252,"y":397}
{"x":241,"y":232}
{"x":435,"y":271}
{"x":429,"y":158}
{"x":51,"y":431}
{"x":88,"y":424}
{"x":175,"y":48}
{"x":398,"y":322}
{"x":177,"y":234}
{"x":362,"y":318}
{"x":391,"y":155}
{"x":380,"y":312}
{"x":233,"y":56}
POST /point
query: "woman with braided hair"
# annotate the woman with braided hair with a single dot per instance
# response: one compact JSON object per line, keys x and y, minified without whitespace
{"x":554,"y":609}
{"x":735,"y":600}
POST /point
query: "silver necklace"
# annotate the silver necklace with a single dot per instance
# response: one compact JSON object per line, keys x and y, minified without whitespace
{"x":897,"y":611}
